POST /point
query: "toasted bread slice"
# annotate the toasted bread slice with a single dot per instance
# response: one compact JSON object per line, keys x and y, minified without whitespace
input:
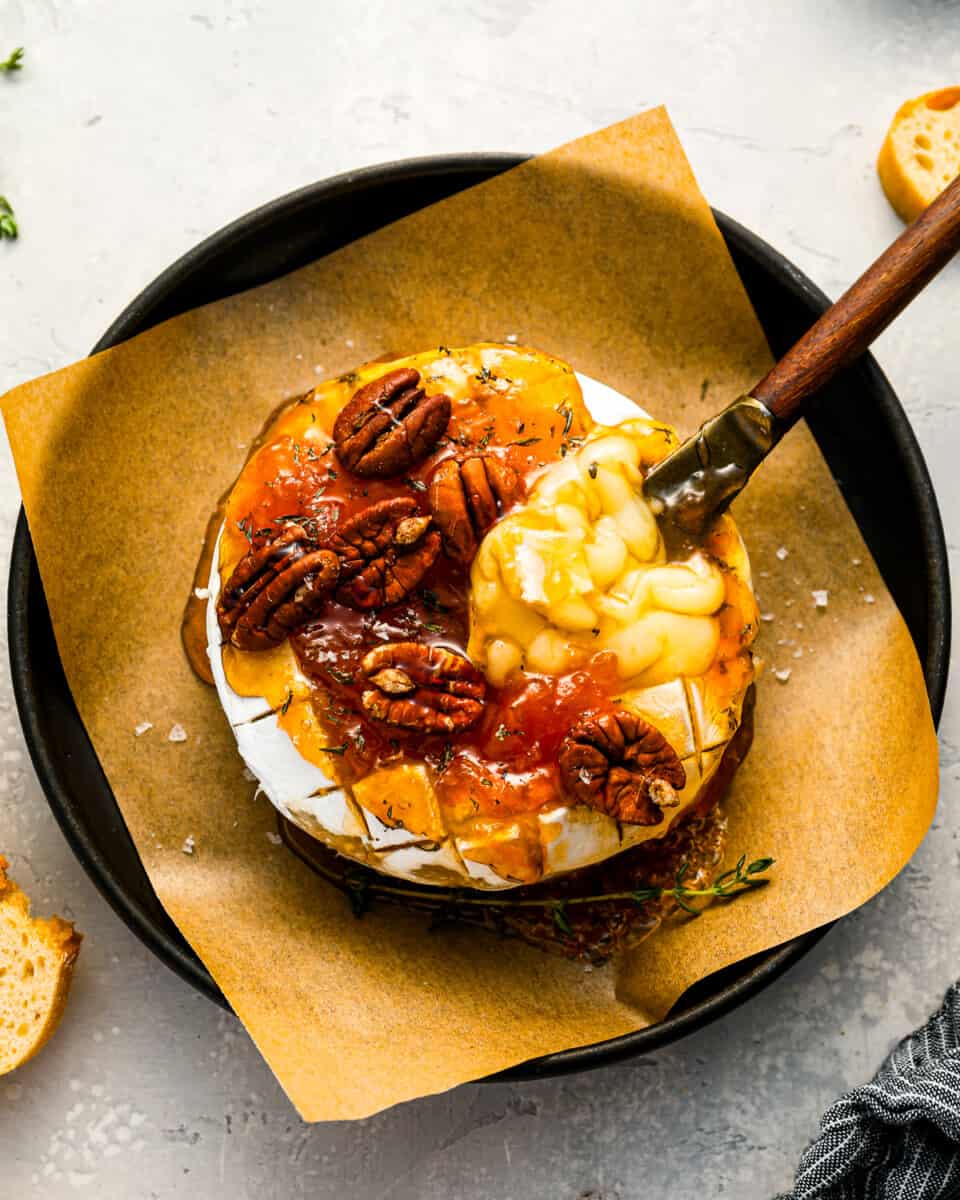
{"x":36,"y":966}
{"x":921,"y":153}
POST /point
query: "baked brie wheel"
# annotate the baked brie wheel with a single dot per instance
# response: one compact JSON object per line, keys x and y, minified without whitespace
{"x":447,"y":632}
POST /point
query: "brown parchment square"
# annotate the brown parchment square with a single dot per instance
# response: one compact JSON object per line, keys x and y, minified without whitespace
{"x":605,"y":253}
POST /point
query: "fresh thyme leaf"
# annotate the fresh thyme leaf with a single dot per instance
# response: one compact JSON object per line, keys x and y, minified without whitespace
{"x":14,"y":61}
{"x":592,"y":470}
{"x":286,"y":704}
{"x":559,"y":912}
{"x":339,"y":676}
{"x":447,"y":756}
{"x":761,"y":864}
{"x":486,"y":783}
{"x":501,"y":733}
{"x":566,"y":412}
{"x":485,"y":375}
{"x":341,"y":749}
{"x":432,"y":601}
{"x":360,"y":742}
{"x":530,"y":441}
{"x":417,"y":484}
{"x":433,"y":626}
{"x":8,"y":222}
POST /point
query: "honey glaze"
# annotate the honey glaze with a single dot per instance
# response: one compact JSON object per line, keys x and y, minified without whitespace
{"x":193,"y":624}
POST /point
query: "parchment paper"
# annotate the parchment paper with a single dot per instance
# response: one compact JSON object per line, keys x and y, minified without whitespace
{"x":603,"y":252}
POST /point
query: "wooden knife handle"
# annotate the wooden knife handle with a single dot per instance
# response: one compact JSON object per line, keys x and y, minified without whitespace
{"x":848,"y":327}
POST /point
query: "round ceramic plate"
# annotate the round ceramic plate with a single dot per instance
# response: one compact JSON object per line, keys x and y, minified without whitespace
{"x":857,"y":421}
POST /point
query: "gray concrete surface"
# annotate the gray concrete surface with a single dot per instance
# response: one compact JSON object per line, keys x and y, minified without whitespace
{"x":136,"y":129}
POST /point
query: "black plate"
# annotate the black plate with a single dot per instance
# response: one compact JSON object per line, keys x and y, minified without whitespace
{"x":867,"y":441}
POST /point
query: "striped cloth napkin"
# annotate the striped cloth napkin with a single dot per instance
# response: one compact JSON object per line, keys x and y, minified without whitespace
{"x":897,"y":1137}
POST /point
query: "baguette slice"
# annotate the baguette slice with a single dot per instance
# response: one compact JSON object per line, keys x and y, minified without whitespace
{"x":921,"y":152}
{"x":36,"y":966}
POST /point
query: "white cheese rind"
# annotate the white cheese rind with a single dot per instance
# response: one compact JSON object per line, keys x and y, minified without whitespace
{"x":383,"y":836}
{"x":283,"y":772}
{"x":575,"y":837}
{"x":423,"y":864}
{"x":605,"y":405}
{"x":333,"y":811}
{"x":238,"y":708}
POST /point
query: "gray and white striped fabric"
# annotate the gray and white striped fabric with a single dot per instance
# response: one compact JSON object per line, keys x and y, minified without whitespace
{"x":898,"y":1137}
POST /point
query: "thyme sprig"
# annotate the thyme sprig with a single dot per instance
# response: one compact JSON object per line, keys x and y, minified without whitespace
{"x":8,"y":222}
{"x":362,"y":888}
{"x":13,"y":61}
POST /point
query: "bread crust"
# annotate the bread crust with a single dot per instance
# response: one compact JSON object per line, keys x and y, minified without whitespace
{"x":58,"y":939}
{"x":921,"y":152}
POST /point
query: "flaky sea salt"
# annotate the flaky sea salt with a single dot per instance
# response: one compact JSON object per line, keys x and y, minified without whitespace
{"x":274,"y":838}
{"x":782,"y":676}
{"x":348,"y":342}
{"x":856,"y":561}
{"x":782,"y":553}
{"x":512,"y":338}
{"x":142,"y":728}
{"x":204,"y":593}
{"x":188,"y":844}
{"x":767,"y":617}
{"x":820,"y":597}
{"x":177,"y":734}
{"x":869,"y":598}
{"x":249,"y":775}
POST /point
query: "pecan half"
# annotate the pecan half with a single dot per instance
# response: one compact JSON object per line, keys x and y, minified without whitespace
{"x":621,"y":765}
{"x":467,"y":497}
{"x":423,"y":688}
{"x":390,"y":424}
{"x":384,"y":552}
{"x":275,"y":589}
